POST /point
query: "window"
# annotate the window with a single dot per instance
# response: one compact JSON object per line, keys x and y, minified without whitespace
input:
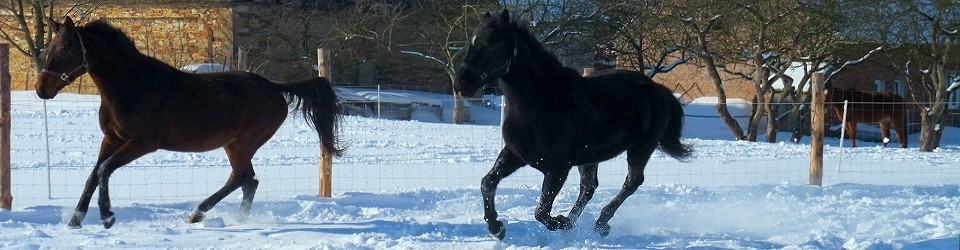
{"x":899,"y":88}
{"x":881,"y":85}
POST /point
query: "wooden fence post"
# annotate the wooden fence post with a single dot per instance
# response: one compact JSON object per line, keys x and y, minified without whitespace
{"x":324,"y":65}
{"x":6,"y":198}
{"x":816,"y":129}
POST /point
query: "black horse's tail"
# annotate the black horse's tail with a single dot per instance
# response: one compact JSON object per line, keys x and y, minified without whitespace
{"x":673,"y":111}
{"x":319,"y":104}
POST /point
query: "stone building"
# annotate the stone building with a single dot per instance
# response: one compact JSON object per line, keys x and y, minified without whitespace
{"x":276,"y":39}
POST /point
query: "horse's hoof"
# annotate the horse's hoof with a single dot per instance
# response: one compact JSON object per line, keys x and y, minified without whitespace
{"x":195,"y":217}
{"x":74,"y":224}
{"x":559,"y":222}
{"x":565,"y":223}
{"x":108,"y":221}
{"x":76,"y":220}
{"x":496,"y":230}
{"x":242,"y":217}
{"x":603,"y":230}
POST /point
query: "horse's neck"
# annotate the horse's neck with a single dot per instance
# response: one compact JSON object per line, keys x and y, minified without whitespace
{"x":531,"y":89}
{"x":117,"y":78}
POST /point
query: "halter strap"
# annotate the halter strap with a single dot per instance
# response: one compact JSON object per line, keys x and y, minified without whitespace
{"x":66,"y":76}
{"x":484,"y":75}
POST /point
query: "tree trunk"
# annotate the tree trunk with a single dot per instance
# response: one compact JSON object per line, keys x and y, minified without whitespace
{"x":932,"y":119}
{"x":459,"y":109}
{"x":931,"y":124}
{"x":926,"y":133}
{"x":722,"y":98}
{"x":773,"y":122}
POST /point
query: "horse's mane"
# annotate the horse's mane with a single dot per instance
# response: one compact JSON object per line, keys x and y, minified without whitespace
{"x":111,"y":35}
{"x":537,"y":50}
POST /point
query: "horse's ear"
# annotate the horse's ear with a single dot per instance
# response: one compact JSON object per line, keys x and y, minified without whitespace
{"x":68,"y":22}
{"x":54,"y":24}
{"x":505,"y":16}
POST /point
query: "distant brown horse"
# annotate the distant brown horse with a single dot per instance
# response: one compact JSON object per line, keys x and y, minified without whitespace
{"x":885,"y":109}
{"x":147,"y":105}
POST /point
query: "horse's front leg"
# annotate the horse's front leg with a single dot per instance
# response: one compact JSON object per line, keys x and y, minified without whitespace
{"x":852,"y":133}
{"x":84,"y":204}
{"x":108,"y":147}
{"x":885,"y":133}
{"x":552,"y":183}
{"x":506,"y":164}
{"x":129,"y":151}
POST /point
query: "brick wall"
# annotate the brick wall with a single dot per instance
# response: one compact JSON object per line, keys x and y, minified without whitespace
{"x":175,"y":34}
{"x":278,"y":43}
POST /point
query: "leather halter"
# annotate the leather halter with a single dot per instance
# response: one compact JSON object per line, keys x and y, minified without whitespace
{"x":66,"y":75}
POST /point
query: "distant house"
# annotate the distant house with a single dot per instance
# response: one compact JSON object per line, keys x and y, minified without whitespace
{"x":877,"y":74}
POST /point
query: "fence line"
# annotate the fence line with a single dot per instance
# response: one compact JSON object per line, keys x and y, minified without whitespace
{"x":285,"y":162}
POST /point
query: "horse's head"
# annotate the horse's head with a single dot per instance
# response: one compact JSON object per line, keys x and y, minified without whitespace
{"x":65,"y":59}
{"x":492,"y":49}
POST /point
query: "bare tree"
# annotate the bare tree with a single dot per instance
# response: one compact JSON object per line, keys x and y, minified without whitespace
{"x":572,"y":29}
{"x":30,"y":33}
{"x":763,"y":25}
{"x":706,"y":23}
{"x":933,"y":38}
{"x":433,"y":32}
{"x":444,"y":30}
{"x":641,"y":37}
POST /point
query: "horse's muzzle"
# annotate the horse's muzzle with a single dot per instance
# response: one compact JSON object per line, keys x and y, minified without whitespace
{"x":44,"y":95}
{"x":465,"y":88}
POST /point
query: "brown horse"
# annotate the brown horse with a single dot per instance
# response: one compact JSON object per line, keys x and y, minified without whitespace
{"x":885,"y":109}
{"x":147,"y":105}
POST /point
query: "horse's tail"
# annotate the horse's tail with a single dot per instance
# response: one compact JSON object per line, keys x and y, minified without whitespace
{"x":673,"y":112}
{"x":319,"y":104}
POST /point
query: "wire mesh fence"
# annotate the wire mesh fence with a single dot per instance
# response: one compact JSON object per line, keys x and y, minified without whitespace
{"x":432,"y":153}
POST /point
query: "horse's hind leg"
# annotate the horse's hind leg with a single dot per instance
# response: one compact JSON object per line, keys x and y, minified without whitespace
{"x":588,"y":185}
{"x":249,"y":189}
{"x":900,"y":127}
{"x":506,"y":164}
{"x":233,"y":183}
{"x":242,"y":175}
{"x":636,"y":160}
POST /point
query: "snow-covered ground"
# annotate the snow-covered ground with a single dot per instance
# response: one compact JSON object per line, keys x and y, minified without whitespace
{"x":414,"y":185}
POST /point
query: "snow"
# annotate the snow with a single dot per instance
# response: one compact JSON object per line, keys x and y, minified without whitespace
{"x":199,"y":68}
{"x":955,"y":84}
{"x":414,"y":185}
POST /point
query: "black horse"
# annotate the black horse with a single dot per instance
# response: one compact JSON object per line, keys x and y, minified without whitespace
{"x":147,"y":105}
{"x":557,"y":119}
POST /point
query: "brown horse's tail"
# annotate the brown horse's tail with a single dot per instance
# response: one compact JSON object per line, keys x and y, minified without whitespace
{"x":319,"y":104}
